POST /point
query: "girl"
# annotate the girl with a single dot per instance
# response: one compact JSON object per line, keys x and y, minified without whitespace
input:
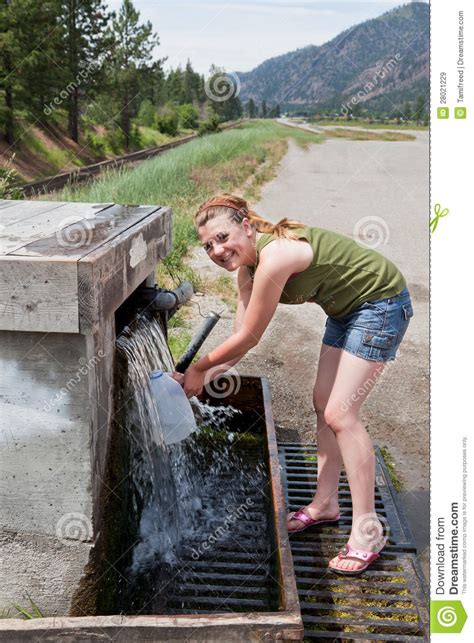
{"x":368,"y":308}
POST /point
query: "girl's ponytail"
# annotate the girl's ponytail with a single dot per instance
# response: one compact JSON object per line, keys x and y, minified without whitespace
{"x":236,"y":209}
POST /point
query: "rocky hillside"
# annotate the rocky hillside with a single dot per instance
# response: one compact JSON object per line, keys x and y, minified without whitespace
{"x":384,"y":61}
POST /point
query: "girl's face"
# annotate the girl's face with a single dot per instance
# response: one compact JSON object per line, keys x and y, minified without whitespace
{"x":228,"y":244}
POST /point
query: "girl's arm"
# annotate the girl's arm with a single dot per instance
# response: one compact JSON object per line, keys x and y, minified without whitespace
{"x":244,"y":284}
{"x":279,"y":261}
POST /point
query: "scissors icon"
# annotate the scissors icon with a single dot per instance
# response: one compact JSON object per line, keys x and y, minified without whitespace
{"x":438,"y":214}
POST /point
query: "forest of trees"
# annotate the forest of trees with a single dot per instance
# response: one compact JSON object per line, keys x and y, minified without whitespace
{"x":76,"y":63}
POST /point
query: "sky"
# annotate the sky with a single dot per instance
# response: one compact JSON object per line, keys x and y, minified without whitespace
{"x":239,"y":35}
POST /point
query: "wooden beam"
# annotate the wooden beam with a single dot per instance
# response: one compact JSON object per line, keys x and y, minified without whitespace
{"x":109,"y":275}
{"x":38,"y":295}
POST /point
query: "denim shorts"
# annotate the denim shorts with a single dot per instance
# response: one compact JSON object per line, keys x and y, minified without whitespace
{"x":373,"y":330}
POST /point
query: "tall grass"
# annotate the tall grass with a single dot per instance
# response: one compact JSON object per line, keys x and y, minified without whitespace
{"x":184,"y":177}
{"x":360,"y":135}
{"x":168,"y":178}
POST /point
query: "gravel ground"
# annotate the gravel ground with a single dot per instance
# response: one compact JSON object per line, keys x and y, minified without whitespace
{"x":348,"y":186}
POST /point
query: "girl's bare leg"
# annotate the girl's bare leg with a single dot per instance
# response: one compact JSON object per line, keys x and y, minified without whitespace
{"x":325,"y":502}
{"x":354,"y":380}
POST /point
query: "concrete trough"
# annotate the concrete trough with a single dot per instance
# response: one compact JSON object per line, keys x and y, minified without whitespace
{"x":284,"y":623}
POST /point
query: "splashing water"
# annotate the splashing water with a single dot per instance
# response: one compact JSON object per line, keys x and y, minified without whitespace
{"x":145,"y":349}
{"x":184,"y":493}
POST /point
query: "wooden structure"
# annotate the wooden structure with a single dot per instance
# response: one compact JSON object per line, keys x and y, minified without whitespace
{"x":65,"y":268}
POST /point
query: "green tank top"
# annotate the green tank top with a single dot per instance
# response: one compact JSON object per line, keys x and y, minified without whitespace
{"x":342,"y":276}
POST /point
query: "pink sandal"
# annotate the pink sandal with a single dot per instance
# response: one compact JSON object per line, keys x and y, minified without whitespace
{"x":348,"y":553}
{"x":308,"y":521}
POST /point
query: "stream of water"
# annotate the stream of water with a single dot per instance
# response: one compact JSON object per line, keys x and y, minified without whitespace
{"x":189,"y":496}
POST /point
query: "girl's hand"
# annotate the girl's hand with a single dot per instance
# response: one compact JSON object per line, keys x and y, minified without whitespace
{"x":179,"y":377}
{"x":193,"y":381}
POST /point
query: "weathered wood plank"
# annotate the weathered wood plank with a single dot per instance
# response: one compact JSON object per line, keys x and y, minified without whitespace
{"x":87,"y":234}
{"x":6,"y":203}
{"x":42,"y":282}
{"x":38,"y":296}
{"x":17,"y":211}
{"x":252,"y":627}
{"x":109,"y":275}
{"x":46,"y":224}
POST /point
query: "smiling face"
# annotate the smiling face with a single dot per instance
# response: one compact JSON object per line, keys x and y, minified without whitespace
{"x":229,"y":245}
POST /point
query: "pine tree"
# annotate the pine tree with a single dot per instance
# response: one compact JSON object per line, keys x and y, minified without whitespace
{"x":9,"y":54}
{"x":406,"y":110}
{"x":132,"y":47}
{"x":222,"y":93}
{"x":419,"y":108}
{"x":84,"y":45}
{"x":190,"y":91}
{"x":174,"y":85}
{"x":251,"y":108}
{"x":30,"y":72}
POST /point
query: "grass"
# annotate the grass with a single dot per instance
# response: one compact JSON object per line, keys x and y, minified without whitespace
{"x":357,"y":135}
{"x":57,"y":157}
{"x":224,"y":287}
{"x":390,"y":464}
{"x":33,"y":611}
{"x":178,"y":334}
{"x":361,"y":123}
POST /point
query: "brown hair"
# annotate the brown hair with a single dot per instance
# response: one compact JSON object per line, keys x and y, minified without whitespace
{"x":236,"y":209}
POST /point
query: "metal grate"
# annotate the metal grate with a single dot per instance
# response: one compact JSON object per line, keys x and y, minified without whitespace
{"x":389,"y":602}
{"x":235,"y":574}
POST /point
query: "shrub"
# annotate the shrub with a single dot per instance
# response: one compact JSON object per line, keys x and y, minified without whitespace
{"x":168,"y":121}
{"x":9,"y":188}
{"x":146,"y":113}
{"x":210,"y":125}
{"x":95,"y":145}
{"x":188,"y":116}
{"x":135,"y":138}
{"x":115,"y":140}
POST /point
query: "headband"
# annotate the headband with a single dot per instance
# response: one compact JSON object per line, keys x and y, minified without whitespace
{"x":223,"y":202}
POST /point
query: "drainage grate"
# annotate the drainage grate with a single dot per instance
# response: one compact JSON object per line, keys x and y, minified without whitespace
{"x":234,"y":571}
{"x":389,"y":602}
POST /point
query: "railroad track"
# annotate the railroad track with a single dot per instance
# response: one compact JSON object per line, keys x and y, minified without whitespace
{"x":52,"y":183}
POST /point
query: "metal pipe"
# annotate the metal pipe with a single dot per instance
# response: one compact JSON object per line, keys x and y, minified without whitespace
{"x":196,"y":342}
{"x":170,"y":299}
{"x":160,"y":299}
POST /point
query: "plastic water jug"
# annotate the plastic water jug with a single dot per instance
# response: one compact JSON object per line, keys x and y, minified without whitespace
{"x":175,"y":412}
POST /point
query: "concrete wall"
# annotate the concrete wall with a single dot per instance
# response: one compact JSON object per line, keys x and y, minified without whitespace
{"x":45,"y":463}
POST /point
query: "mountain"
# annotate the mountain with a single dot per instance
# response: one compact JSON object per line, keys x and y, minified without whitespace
{"x":383,"y":62}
